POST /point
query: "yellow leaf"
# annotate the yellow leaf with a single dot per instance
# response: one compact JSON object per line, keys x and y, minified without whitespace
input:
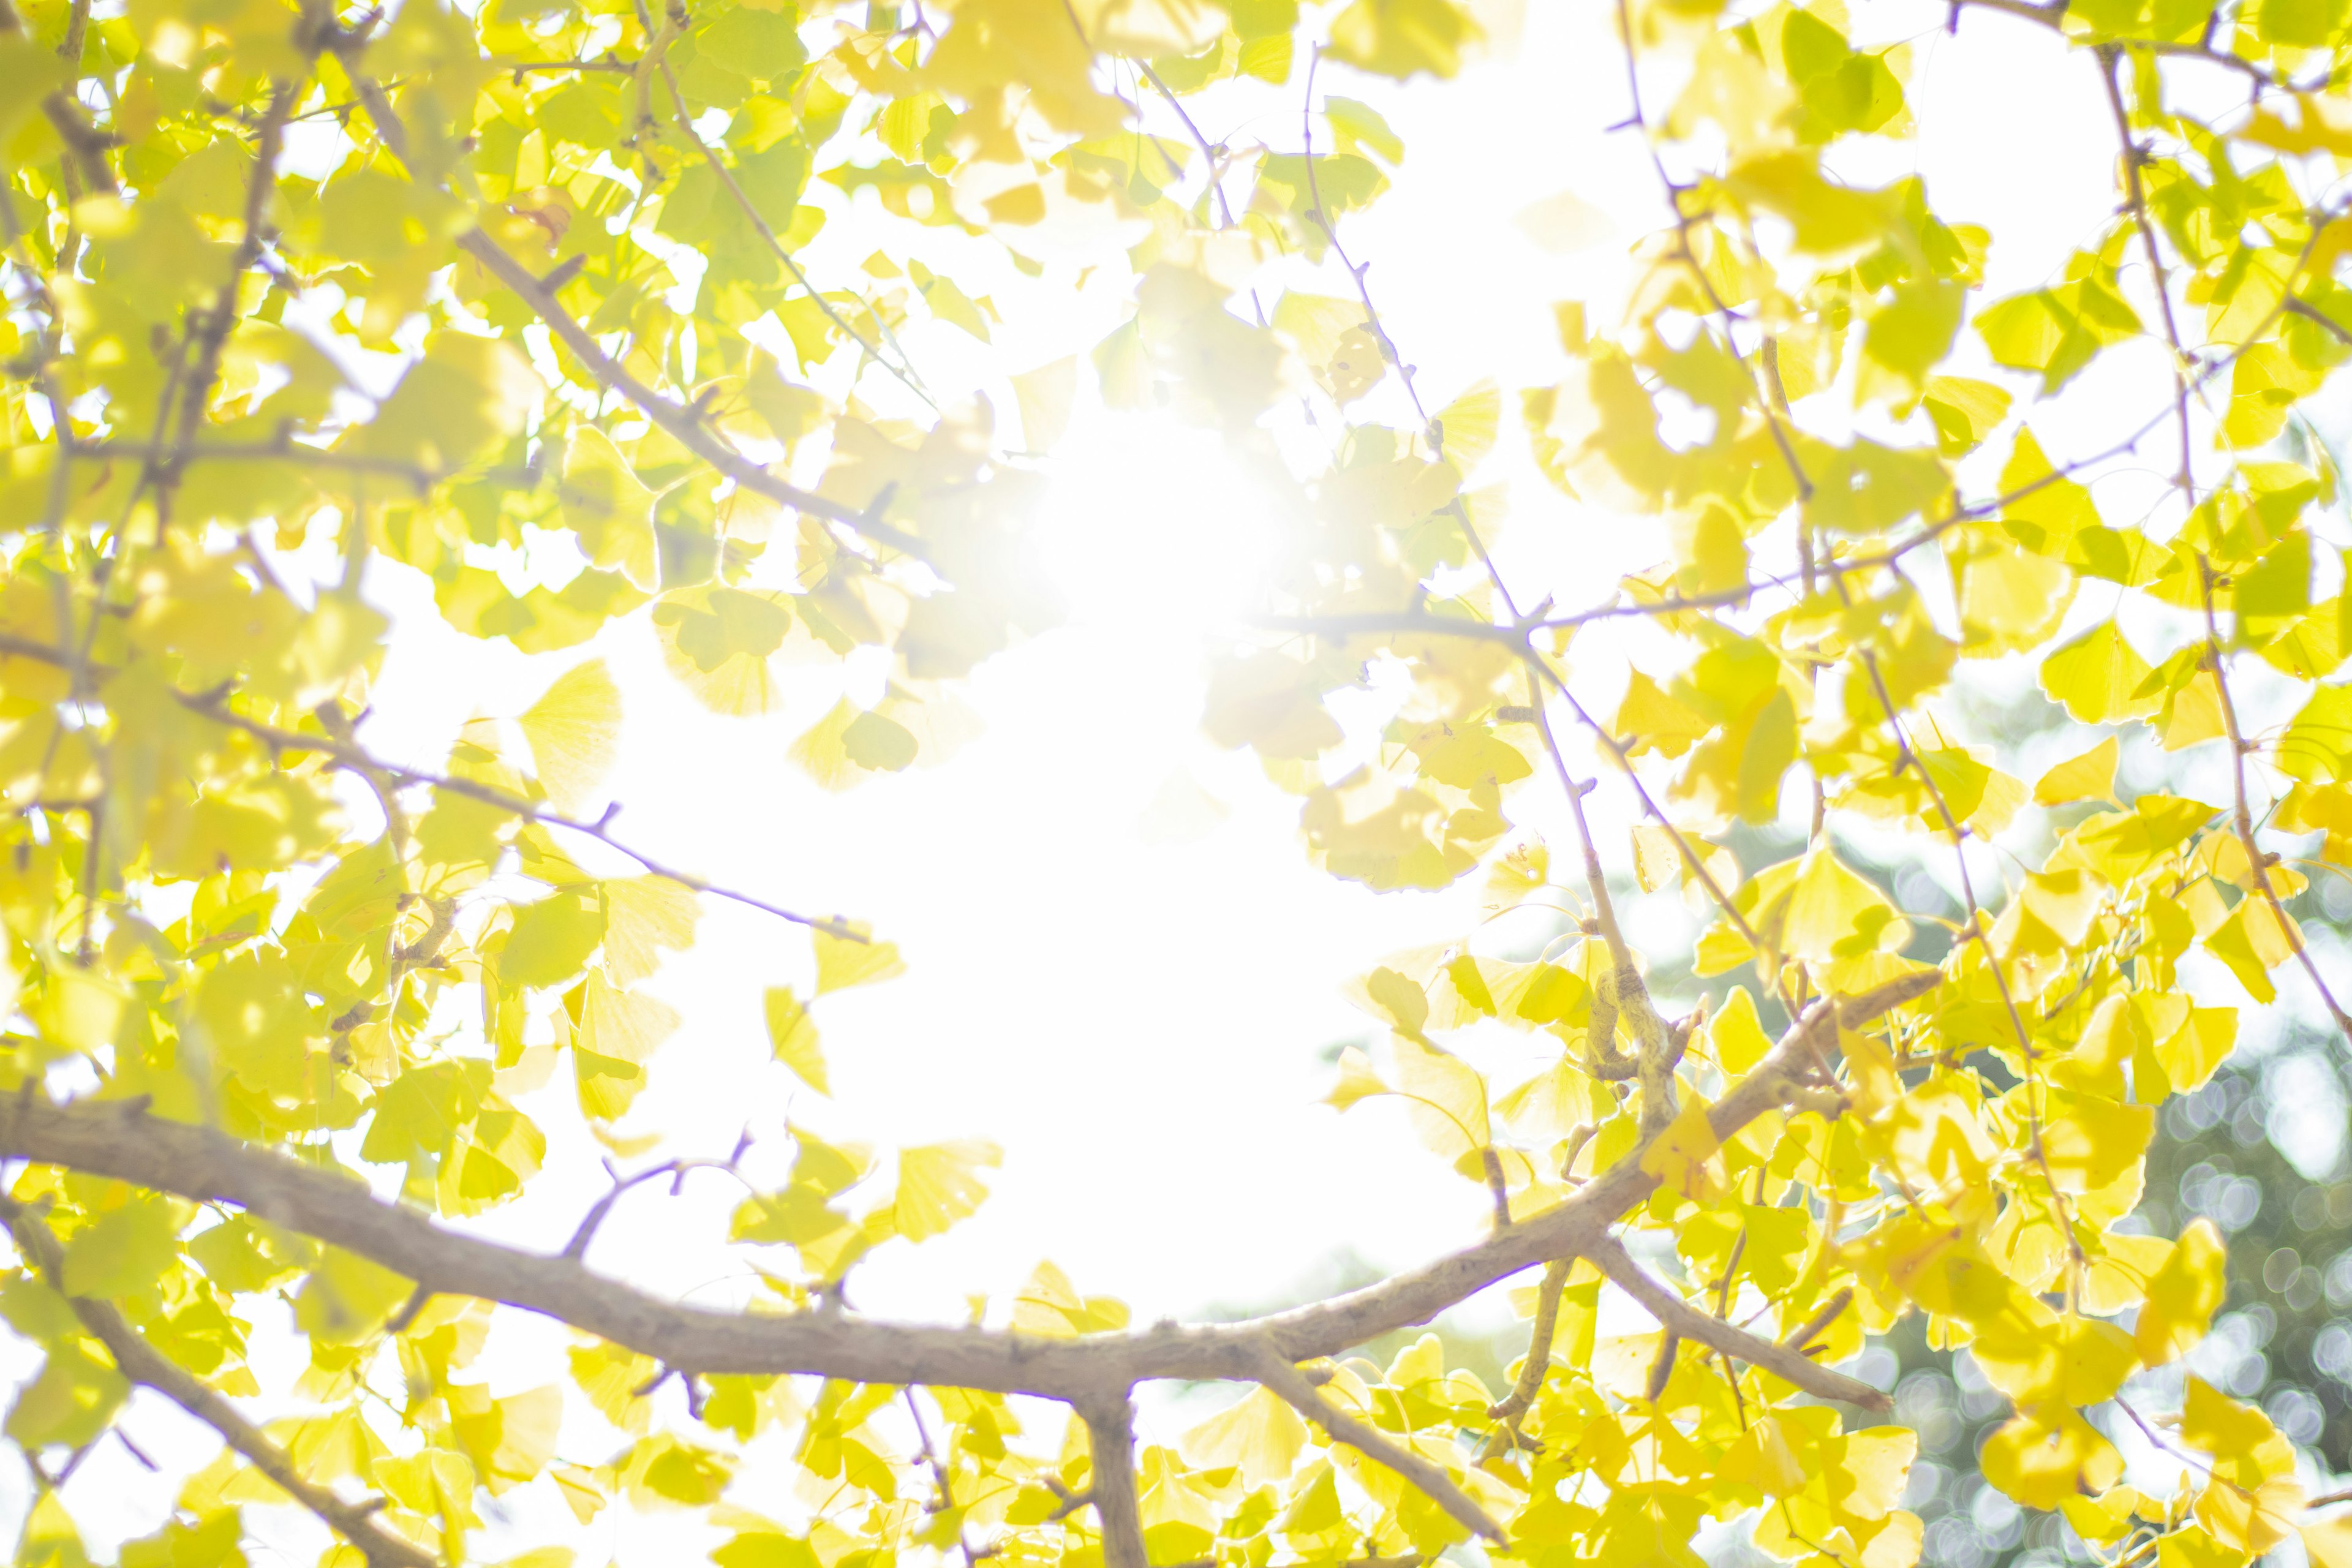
{"x":574,"y":730}
{"x":2182,"y":1295}
{"x":1400,"y":38}
{"x":2089,"y":1140}
{"x":644,"y":916}
{"x":1833,"y":913}
{"x":2043,"y":1456}
{"x":938,"y":1184}
{"x":2091,"y":776}
{"x":2329,"y":1541}
{"x":1736,"y":1033}
{"x":609,"y":507}
{"x":2252,"y":943}
{"x":2096,"y":676}
{"x":841,"y":962}
{"x":1763,"y":1457}
{"x":792,"y":1035}
{"x":1259,"y":1433}
{"x":1445,"y":1098}
{"x":1357,"y":1080}
{"x":1680,"y":1156}
{"x":1050,"y":1306}
{"x":2010,"y":599}
{"x":1468,"y":425}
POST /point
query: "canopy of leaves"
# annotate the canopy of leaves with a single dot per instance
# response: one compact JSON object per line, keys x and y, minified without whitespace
{"x":507,"y":304}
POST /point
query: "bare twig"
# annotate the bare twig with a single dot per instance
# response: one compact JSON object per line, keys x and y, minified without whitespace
{"x":2242,"y":819}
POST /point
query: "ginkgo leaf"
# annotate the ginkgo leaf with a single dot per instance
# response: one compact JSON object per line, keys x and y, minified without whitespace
{"x":1833,"y":913}
{"x":644,"y":917}
{"x":609,"y":507}
{"x":842,"y":962}
{"x":1684,"y":1157}
{"x":1469,"y":425}
{"x":938,"y":1184}
{"x":1259,"y":1434}
{"x":2098,"y":677}
{"x":792,"y":1035}
{"x":2182,"y":1295}
{"x":574,"y":730}
{"x":2042,"y":1457}
{"x":2090,"y":776}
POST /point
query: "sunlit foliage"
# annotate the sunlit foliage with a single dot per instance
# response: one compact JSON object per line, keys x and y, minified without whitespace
{"x":300,"y":296}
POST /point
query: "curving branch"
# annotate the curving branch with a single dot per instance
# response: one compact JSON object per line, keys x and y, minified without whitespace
{"x":1296,"y":1390}
{"x":138,"y":1362}
{"x":1679,"y":1317}
{"x":120,"y":1139}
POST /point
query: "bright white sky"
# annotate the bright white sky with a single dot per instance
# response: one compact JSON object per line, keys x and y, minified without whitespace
{"x":1122,"y":967}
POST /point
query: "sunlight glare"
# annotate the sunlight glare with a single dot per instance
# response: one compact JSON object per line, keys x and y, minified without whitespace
{"x":1150,"y":522}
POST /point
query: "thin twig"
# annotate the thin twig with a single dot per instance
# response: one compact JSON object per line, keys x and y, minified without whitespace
{"x":2258,"y":863}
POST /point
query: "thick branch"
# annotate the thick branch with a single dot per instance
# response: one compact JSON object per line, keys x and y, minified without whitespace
{"x":1291,"y":1386}
{"x":118,"y":1140}
{"x":142,"y":1364}
{"x":1110,"y":1439}
{"x":1679,"y":1317}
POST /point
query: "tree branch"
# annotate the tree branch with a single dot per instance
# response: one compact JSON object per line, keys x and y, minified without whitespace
{"x":119,"y":1140}
{"x":351,"y":758}
{"x":2053,"y":18}
{"x":1538,"y":1365}
{"x":1290,"y":1384}
{"x":679,"y":420}
{"x":1111,"y":1442}
{"x":355,"y":1522}
{"x":1679,"y":1317}
{"x":218,"y":320}
{"x":2241,"y":817}
{"x":904,"y":372}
